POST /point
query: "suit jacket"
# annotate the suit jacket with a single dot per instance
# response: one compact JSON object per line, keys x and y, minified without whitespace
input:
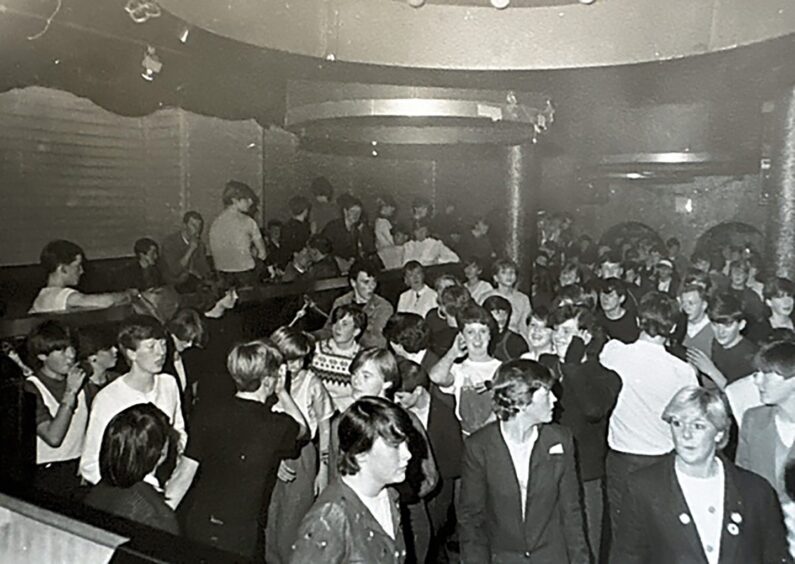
{"x":657,"y":527}
{"x":444,"y":434}
{"x":756,"y":449}
{"x":490,"y":515}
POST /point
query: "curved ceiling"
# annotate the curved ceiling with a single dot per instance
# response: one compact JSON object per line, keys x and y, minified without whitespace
{"x":472,"y":35}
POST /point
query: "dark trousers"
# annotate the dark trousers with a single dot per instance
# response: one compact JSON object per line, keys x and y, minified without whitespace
{"x":60,"y":479}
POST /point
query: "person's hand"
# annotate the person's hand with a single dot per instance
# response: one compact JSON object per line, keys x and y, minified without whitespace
{"x":281,"y":381}
{"x":285,"y":473}
{"x":459,"y":347}
{"x":701,"y":361}
{"x":74,"y":379}
{"x":321,"y":480}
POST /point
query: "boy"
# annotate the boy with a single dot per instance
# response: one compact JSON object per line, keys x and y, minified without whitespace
{"x":410,"y":337}
{"x":617,"y":322}
{"x":700,"y":332}
{"x":61,"y":408}
{"x":442,"y":320}
{"x":505,"y":278}
{"x":419,"y":298}
{"x":296,"y":230}
{"x":468,"y":379}
{"x":476,"y":241}
{"x":98,"y":353}
{"x":507,"y":344}
{"x":142,"y":341}
{"x":144,"y":273}
{"x":539,"y":335}
{"x":184,"y":256}
{"x":478,"y":288}
{"x":63,"y":264}
{"x":749,"y":300}
{"x":323,"y":209}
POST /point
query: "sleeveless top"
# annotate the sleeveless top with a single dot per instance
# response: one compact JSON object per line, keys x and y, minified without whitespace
{"x":72,"y":446}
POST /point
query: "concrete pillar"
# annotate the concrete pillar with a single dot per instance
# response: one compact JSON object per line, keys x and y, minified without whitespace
{"x":523,"y":175}
{"x":781,"y":210}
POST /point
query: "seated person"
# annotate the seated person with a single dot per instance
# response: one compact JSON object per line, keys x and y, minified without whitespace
{"x":63,"y":264}
{"x":508,"y":345}
{"x":383,"y":224}
{"x":350,"y":236}
{"x":144,"y":273}
{"x":478,"y":288}
{"x":425,"y":249}
{"x":323,"y":208}
{"x":299,"y":266}
{"x":419,"y":298}
{"x":184,"y":256}
{"x":135,"y":443}
{"x":323,"y":263}
{"x":272,"y":237}
{"x":476,"y":243}
{"x":98,"y":356}
{"x":296,"y":230}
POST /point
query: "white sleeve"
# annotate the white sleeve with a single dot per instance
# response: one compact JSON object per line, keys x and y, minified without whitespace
{"x":445,"y":255}
{"x":177,"y":421}
{"x":89,"y":460}
{"x":402,"y":306}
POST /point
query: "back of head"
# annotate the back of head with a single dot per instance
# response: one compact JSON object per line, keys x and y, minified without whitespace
{"x":94,"y":338}
{"x":48,"y":337}
{"x":454,"y":298}
{"x":657,"y":314}
{"x":133,"y":443}
{"x":778,"y":358}
{"x":236,"y":190}
{"x":412,"y":375}
{"x":298,"y":204}
{"x":250,"y":364}
{"x":409,"y":330}
{"x":137,"y":328}
{"x":514,"y":385}
{"x":320,"y":244}
{"x":58,"y":253}
{"x":292,"y":343}
{"x":188,"y":326}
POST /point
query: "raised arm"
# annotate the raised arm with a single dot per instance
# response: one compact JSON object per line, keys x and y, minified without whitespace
{"x":440,"y":372}
{"x":53,"y":431}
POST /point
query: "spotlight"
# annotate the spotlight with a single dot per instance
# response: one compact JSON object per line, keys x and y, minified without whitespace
{"x":500,"y":4}
{"x":183,"y":35}
{"x":151,"y":64}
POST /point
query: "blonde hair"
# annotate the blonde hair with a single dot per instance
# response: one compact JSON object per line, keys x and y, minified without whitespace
{"x":251,"y":363}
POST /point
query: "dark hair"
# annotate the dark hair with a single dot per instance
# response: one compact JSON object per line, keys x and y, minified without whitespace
{"x":611,"y":257}
{"x":133,"y":443}
{"x":94,"y":338}
{"x":408,"y":330}
{"x":504,"y":264}
{"x":474,"y":261}
{"x":355,"y":311}
{"x":778,"y":357}
{"x":251,"y":363}
{"x":187,"y":325}
{"x":192,"y":215}
{"x":57,"y":253}
{"x":698,"y":288}
{"x":47,"y":337}
{"x":367,"y":266}
{"x":584,"y":316}
{"x":142,"y":245}
{"x":696,"y":277}
{"x":386,"y":364}
{"x":724,"y":308}
{"x":657,"y":314}
{"x":514,"y":384}
{"x":320,"y":243}
{"x":411,"y":266}
{"x":453,"y":299}
{"x":779,"y":335}
{"x":473,"y":313}
{"x":292,"y":343}
{"x":498,"y":303}
{"x":421,"y":202}
{"x":412,"y":375}
{"x":298,"y":204}
{"x":778,"y":287}
{"x":541,"y":313}
{"x":346,"y":202}
{"x":610,"y":285}
{"x":321,"y":186}
{"x":672,"y":242}
{"x":137,"y":328}
{"x":275,"y":223}
{"x":362,"y":423}
{"x":236,"y":190}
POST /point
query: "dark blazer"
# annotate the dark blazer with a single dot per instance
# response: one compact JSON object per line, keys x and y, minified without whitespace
{"x":444,"y":434}
{"x":490,"y":515}
{"x":654,"y":529}
{"x":140,"y":503}
{"x":756,"y":449}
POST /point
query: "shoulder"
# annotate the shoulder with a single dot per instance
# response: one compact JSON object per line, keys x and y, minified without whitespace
{"x":484,"y":436}
{"x":166,"y":382}
{"x":553,"y":431}
{"x":343,"y":299}
{"x":381,"y":302}
{"x":757,"y":416}
{"x":750,"y":484}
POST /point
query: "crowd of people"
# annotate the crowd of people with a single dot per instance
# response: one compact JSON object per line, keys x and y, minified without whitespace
{"x":635,"y":406}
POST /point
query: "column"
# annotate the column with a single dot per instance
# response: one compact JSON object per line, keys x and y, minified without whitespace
{"x":781,"y":210}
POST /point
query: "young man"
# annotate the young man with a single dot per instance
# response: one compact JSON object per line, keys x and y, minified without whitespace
{"x":468,"y":379}
{"x":750,"y":301}
{"x":700,"y":332}
{"x":425,"y":249}
{"x":650,"y":377}
{"x":184,"y":256}
{"x":410,"y":337}
{"x":296,"y":230}
{"x":323,"y":264}
{"x":617,"y":322}
{"x":419,"y":298}
{"x":665,"y":279}
{"x":142,"y":340}
{"x":351,"y":238}
{"x":61,"y":408}
{"x":476,"y":243}
{"x":235,"y":238}
{"x":323,"y":208}
{"x":508,"y":345}
{"x":362,"y":278}
{"x":144,"y":273}
{"x":63,"y":264}
{"x":506,"y":275}
{"x":442,"y":320}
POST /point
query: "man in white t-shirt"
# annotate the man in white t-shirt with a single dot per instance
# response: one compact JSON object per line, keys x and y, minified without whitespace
{"x":650,"y":376}
{"x":143,"y":341}
{"x":235,"y":238}
{"x":63,"y":263}
{"x":419,"y":298}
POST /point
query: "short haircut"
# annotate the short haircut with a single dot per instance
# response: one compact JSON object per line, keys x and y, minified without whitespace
{"x":409,"y":330}
{"x":187,"y":325}
{"x":697,"y":288}
{"x":541,"y":313}
{"x":137,"y":328}
{"x":739,"y":264}
{"x":320,"y":243}
{"x":362,"y":423}
{"x":473,"y":261}
{"x":454,"y":298}
{"x":471,"y":314}
{"x":251,"y":363}
{"x":698,"y":278}
{"x":672,"y":242}
{"x":611,"y":257}
{"x":778,"y":357}
{"x":700,"y":256}
{"x":95,"y":338}
{"x":236,"y":190}
{"x":778,"y":287}
{"x":514,"y":384}
{"x":412,"y":266}
{"x":57,"y":253}
{"x":412,"y":375}
{"x":142,"y":245}
{"x":275,"y":223}
{"x":192,"y":214}
{"x":367,"y":266}
{"x":298,"y":204}
{"x":133,"y":443}
{"x":421,"y":202}
{"x":346,"y":202}
{"x":710,"y":404}
{"x":355,"y":311}
{"x":610,"y":285}
{"x":657,"y":314}
{"x":321,"y":186}
{"x":585,"y":317}
{"x":292,"y":343}
{"x":48,"y":337}
{"x":725,"y":308}
{"x":386,"y":364}
{"x":505,"y":264}
{"x":497,"y":303}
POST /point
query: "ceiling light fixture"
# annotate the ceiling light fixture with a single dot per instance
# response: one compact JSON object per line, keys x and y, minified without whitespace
{"x":151,"y":64}
{"x":500,"y":4}
{"x":416,"y":3}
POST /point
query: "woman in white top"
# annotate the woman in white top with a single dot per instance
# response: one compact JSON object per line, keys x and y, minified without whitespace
{"x":695,"y":505}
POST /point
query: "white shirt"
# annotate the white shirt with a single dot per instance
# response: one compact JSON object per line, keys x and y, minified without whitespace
{"x":383,"y":233}
{"x":51,"y":298}
{"x":480,"y":291}
{"x":469,"y":374}
{"x":693,"y":329}
{"x":232,"y":235}
{"x":520,"y":456}
{"x":427,"y":252}
{"x":704,"y":498}
{"x":742,"y":395}
{"x":115,"y":398}
{"x":650,"y":377}
{"x":419,"y":302}
{"x":423,"y":413}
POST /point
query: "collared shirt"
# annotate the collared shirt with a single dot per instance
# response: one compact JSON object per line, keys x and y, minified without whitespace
{"x":378,"y":312}
{"x":417,"y":301}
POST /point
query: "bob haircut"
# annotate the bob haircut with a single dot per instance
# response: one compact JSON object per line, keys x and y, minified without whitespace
{"x":497,"y":303}
{"x":187,"y":325}
{"x":778,"y":287}
{"x":48,"y":337}
{"x":778,"y":357}
{"x":362,"y":423}
{"x":355,"y":311}
{"x":504,"y":264}
{"x":236,"y":190}
{"x":412,"y":266}
{"x":292,"y":343}
{"x":133,"y":443}
{"x":412,"y":375}
{"x":657,"y":314}
{"x":94,"y":338}
{"x":710,"y":404}
{"x":514,"y":385}
{"x":384,"y":361}
{"x":472,"y":313}
{"x":725,"y":309}
{"x":137,"y":328}
{"x":321,"y":186}
{"x":251,"y":363}
{"x":57,"y":253}
{"x":408,"y":330}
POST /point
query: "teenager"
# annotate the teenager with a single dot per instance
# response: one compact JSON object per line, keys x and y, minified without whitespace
{"x":184,"y":255}
{"x":419,"y":298}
